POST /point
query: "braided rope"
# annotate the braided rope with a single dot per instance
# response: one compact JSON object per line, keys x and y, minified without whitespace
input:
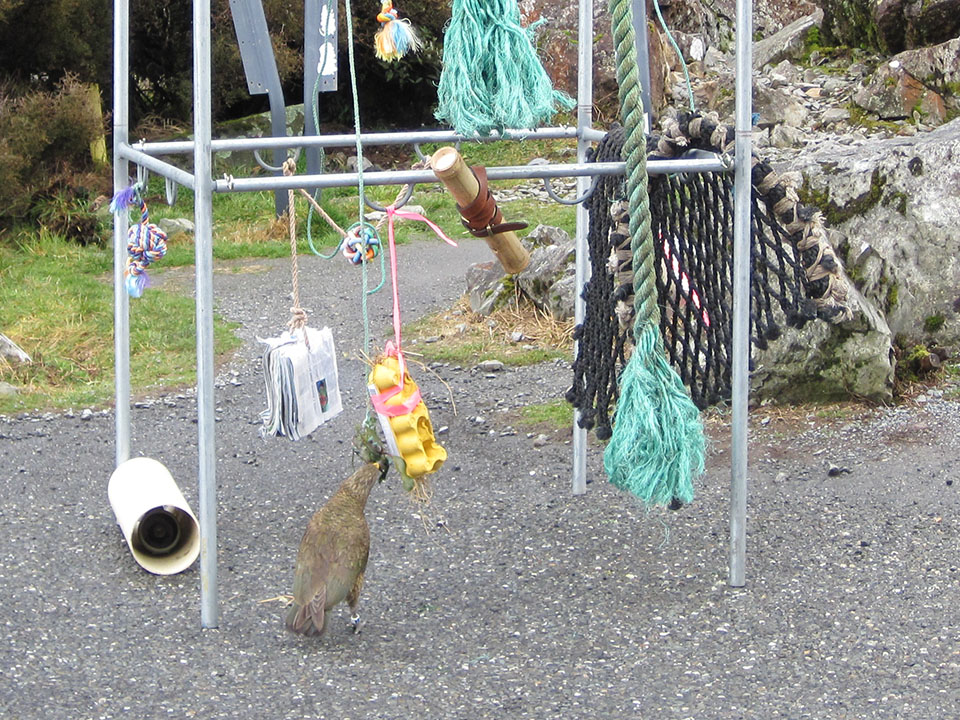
{"x":647,"y":313}
{"x":657,"y":446}
{"x":805,"y":230}
{"x":298,"y":316}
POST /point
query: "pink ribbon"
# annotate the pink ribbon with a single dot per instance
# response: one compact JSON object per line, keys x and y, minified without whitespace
{"x":393,"y":349}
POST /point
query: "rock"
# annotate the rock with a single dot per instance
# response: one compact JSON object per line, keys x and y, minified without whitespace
{"x":784,"y":136}
{"x":491,"y":366}
{"x":894,"y":202}
{"x":835,"y":115}
{"x":352,"y":163}
{"x":175,"y":226}
{"x":485,"y":285}
{"x":544,"y":235}
{"x":7,"y":390}
{"x":778,"y":106}
{"x":11,"y":351}
{"x":549,"y":278}
{"x":892,"y":93}
{"x":939,"y":68}
{"x":788,"y":43}
{"x":827,"y":362}
{"x":891,"y":24}
{"x":929,"y":22}
{"x":788,"y":71}
{"x":87,"y":414}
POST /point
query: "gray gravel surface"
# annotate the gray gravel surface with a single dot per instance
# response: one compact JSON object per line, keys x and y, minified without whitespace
{"x":508,"y":597}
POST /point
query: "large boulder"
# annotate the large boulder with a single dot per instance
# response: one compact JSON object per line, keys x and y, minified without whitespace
{"x":894,"y":202}
{"x":548,"y":280}
{"x":929,"y":22}
{"x":787,"y":43}
{"x":821,"y":361}
{"x":938,"y":67}
{"x":892,"y":93}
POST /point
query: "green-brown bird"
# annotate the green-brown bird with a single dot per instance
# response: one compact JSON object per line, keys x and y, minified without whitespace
{"x":333,"y":555}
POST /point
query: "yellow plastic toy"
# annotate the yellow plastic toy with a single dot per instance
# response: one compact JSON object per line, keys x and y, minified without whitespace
{"x":404,"y":418}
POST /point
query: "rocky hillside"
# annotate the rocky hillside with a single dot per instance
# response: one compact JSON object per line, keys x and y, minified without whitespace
{"x":855,"y":104}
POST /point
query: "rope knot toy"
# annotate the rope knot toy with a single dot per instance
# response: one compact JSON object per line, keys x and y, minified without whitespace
{"x":361,"y":243}
{"x":396,"y":37}
{"x":146,"y":242}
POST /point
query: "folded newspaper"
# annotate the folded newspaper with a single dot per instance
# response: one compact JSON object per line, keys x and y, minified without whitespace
{"x":301,"y":382}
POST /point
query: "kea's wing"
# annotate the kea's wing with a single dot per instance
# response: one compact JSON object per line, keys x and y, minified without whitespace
{"x":332,"y":554}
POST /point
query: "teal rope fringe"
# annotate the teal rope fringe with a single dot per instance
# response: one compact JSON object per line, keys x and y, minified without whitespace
{"x":492,"y":78}
{"x":658,"y":444}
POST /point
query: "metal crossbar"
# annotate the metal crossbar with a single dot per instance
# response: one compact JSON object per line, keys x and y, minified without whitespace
{"x":202,"y":147}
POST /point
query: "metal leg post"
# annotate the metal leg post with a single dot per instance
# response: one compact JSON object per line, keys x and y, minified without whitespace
{"x":741,"y":295}
{"x":121,"y":169}
{"x":584,"y":119}
{"x":203,"y":238}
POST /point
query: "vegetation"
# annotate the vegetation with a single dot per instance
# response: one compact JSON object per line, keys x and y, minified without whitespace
{"x":56,"y":295}
{"x":78,"y":39}
{"x":468,"y":338}
{"x":555,"y":415}
{"x":45,"y":160}
{"x":57,"y":302}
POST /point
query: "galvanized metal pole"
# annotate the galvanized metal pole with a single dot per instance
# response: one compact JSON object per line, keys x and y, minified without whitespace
{"x":584,"y":120}
{"x":741,"y":294}
{"x":641,"y":45}
{"x":203,"y":239}
{"x":121,"y":170}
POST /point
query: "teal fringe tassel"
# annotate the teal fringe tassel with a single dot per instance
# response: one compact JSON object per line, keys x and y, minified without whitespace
{"x":658,"y":444}
{"x":492,"y":78}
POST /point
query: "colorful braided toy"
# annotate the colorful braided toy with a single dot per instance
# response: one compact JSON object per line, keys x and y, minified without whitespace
{"x":146,"y":243}
{"x":355,"y":247}
{"x":396,"y":37}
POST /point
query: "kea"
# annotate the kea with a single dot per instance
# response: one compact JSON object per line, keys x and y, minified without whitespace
{"x":333,"y":555}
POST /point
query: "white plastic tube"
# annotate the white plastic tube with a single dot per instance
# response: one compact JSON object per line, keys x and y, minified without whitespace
{"x":155,"y":519}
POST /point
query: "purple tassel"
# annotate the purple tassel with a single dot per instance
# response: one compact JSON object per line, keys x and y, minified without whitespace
{"x":123,"y":199}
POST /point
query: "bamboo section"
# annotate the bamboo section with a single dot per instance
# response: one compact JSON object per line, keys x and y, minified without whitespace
{"x":448,"y":165}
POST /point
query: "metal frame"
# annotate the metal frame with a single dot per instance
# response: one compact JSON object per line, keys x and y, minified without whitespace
{"x":148,"y":155}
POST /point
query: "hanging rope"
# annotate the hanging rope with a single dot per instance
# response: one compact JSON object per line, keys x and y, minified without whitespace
{"x":298,"y":316}
{"x":492,"y":78}
{"x":657,"y":444}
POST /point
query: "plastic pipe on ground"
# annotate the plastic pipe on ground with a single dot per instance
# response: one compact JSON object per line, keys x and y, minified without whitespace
{"x":155,"y":519}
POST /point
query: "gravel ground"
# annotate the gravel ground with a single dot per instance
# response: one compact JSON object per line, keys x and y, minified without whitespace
{"x":508,"y":597}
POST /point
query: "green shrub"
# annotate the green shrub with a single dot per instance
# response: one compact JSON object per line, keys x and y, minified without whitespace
{"x":45,"y":154}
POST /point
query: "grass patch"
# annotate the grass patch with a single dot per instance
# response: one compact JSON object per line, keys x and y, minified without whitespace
{"x":462,"y":337}
{"x":55,"y":304}
{"x":554,"y":415}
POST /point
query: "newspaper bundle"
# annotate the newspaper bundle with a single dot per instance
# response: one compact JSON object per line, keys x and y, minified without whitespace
{"x":301,"y":382}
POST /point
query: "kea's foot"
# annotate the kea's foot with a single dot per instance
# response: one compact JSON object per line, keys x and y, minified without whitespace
{"x":356,"y":623}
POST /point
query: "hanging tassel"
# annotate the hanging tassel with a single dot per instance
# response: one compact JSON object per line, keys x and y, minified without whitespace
{"x":396,"y":37}
{"x":658,"y":444}
{"x":146,"y":242}
{"x":123,"y":199}
{"x":492,"y":78}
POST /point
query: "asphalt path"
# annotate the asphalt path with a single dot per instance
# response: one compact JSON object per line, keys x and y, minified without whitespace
{"x":507,"y":597}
